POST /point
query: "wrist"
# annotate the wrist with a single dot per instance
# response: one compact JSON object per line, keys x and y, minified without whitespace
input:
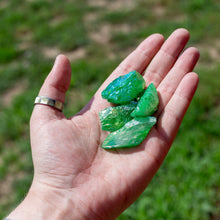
{"x":44,"y":202}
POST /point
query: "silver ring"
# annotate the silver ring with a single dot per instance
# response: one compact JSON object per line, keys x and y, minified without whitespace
{"x":49,"y":101}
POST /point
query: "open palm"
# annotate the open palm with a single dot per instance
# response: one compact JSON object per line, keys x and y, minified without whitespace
{"x":67,"y":154}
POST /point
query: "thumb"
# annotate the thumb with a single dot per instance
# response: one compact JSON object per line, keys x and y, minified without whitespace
{"x":55,"y":87}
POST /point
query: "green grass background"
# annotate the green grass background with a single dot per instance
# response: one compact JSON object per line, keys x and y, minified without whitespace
{"x":96,"y":35}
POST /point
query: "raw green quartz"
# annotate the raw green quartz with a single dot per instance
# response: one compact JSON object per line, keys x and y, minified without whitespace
{"x":148,"y":103}
{"x":113,"y":118}
{"x":131,"y":134}
{"x":124,"y":88}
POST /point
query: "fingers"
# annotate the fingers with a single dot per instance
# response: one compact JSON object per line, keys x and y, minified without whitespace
{"x":185,"y":64}
{"x":140,"y":57}
{"x":171,"y":117}
{"x":137,"y":60}
{"x":154,"y":58}
{"x":55,"y":85}
{"x":166,"y":57}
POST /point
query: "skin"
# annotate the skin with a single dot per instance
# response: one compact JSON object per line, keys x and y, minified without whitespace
{"x":74,"y":178}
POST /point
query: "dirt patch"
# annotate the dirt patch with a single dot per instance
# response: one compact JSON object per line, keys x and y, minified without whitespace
{"x":17,"y":89}
{"x":214,"y":53}
{"x":212,"y":50}
{"x":90,"y":17}
{"x":57,"y":20}
{"x":25,"y":38}
{"x":121,"y":4}
{"x":52,"y":52}
{"x":124,"y":28}
{"x":216,"y":215}
{"x":113,"y":5}
{"x":159,"y":10}
{"x":24,"y":45}
{"x":4,"y":4}
{"x":76,"y":54}
{"x":103,"y":35}
{"x":97,"y":3}
{"x":31,"y":0}
{"x":6,"y":188}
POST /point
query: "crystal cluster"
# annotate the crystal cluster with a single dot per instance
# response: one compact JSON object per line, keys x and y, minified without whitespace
{"x":131,"y":120}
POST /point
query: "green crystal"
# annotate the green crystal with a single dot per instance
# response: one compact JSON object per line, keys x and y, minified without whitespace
{"x":113,"y":118}
{"x":131,"y":134}
{"x":148,"y":103}
{"x":124,"y":88}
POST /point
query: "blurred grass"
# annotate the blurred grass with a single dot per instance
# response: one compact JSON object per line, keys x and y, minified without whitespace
{"x":187,"y":185}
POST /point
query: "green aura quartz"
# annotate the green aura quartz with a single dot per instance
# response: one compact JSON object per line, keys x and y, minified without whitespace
{"x":148,"y":103}
{"x":113,"y":118}
{"x":131,"y":134}
{"x":130,"y":121}
{"x":124,"y":88}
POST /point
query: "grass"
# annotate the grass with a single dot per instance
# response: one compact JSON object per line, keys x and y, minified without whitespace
{"x":188,"y":184}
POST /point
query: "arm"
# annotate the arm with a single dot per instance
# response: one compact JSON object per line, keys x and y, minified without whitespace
{"x":74,"y":178}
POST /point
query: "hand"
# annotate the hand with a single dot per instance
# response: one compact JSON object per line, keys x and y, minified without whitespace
{"x":71,"y":170}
